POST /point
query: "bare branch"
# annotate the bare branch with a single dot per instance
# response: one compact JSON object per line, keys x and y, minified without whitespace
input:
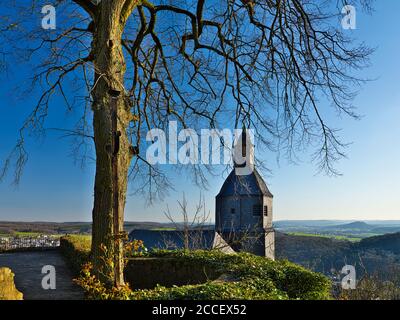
{"x":88,"y":6}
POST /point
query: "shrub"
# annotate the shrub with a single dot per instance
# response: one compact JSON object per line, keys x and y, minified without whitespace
{"x":257,"y":277}
{"x":370,"y":287}
{"x":8,"y":291}
{"x":245,"y":276}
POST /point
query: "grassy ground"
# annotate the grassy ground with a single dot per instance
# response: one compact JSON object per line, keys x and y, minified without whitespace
{"x":26,"y":234}
{"x":330,"y":236}
{"x":23,"y":234}
{"x":19,"y":234}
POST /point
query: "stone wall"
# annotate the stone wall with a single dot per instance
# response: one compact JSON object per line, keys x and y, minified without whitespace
{"x":146,"y":273}
{"x":235,"y":213}
{"x":8,"y":291}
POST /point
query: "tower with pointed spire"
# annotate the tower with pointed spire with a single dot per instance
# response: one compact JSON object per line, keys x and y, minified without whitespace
{"x":243,"y":213}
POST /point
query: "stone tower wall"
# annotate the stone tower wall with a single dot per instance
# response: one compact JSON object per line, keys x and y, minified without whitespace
{"x":243,"y":218}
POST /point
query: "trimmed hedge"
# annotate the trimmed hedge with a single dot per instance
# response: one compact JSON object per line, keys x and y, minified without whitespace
{"x":76,"y":250}
{"x":251,"y":277}
{"x":245,"y":276}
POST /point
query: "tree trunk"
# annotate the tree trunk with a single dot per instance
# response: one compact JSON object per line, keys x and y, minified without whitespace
{"x":111,"y":120}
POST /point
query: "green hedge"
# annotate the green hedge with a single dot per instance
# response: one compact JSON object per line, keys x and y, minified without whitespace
{"x":251,"y":277}
{"x":246,"y":276}
{"x":76,"y":250}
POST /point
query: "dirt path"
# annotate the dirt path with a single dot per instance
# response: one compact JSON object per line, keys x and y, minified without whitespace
{"x":27,"y":267}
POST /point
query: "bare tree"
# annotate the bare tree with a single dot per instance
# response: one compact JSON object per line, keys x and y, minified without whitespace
{"x":133,"y":65}
{"x":191,"y":227}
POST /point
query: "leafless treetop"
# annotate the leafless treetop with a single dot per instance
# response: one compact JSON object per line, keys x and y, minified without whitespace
{"x":277,"y":66}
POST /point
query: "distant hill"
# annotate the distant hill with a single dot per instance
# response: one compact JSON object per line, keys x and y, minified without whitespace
{"x":376,"y":255}
{"x":358,"y":225}
{"x":383,"y":230}
{"x":388,"y":242}
{"x":354,"y":230}
{"x":307,"y":223}
{"x":317,"y":253}
{"x":7,"y":227}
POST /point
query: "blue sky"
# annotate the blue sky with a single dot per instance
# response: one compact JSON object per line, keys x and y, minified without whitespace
{"x":53,"y":188}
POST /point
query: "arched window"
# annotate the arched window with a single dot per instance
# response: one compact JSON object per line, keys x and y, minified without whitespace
{"x":266,"y":211}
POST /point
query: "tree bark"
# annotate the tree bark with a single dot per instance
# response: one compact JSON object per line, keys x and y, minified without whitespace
{"x":110,"y":122}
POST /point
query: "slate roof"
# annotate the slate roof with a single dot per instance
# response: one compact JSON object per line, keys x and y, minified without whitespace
{"x":155,"y":239}
{"x":250,"y":185}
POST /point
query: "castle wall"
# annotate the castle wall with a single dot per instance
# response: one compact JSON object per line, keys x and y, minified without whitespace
{"x":248,"y":221}
{"x":269,"y":244}
{"x":245,"y":221}
{"x":226,"y":221}
{"x":267,"y":219}
{"x":243,"y":218}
